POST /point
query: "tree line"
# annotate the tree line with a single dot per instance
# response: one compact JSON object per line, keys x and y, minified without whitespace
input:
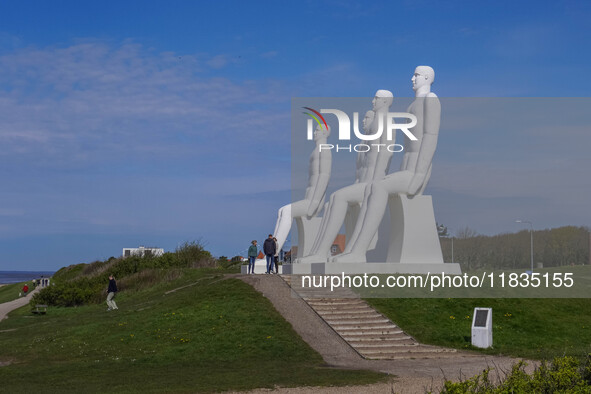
{"x":555,"y":247}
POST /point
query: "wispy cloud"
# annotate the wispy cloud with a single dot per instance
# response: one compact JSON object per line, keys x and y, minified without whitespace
{"x":120,"y":98}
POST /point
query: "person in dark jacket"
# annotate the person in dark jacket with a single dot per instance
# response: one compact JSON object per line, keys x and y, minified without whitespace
{"x":276,"y":256}
{"x":269,"y":248}
{"x":253,"y":252}
{"x":111,"y":293}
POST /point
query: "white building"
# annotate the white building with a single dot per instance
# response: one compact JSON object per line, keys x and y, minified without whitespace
{"x":142,"y":251}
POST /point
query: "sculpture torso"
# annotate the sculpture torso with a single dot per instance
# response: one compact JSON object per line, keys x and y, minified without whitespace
{"x":411,"y":148}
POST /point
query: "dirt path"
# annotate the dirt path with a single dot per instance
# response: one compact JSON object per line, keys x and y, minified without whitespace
{"x":396,"y":386}
{"x":411,"y":375}
{"x":8,"y":307}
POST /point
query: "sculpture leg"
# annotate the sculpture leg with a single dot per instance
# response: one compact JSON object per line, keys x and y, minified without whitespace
{"x":285,"y":216}
{"x":372,"y":212}
{"x":332,"y":221}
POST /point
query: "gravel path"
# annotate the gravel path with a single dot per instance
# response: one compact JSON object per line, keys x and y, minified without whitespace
{"x":411,"y":375}
{"x":8,"y":307}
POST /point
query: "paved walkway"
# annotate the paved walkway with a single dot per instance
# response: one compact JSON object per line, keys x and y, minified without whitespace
{"x":8,"y":307}
{"x":412,"y":375}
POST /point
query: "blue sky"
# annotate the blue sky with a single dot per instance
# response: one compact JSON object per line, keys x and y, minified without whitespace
{"x":151,"y":123}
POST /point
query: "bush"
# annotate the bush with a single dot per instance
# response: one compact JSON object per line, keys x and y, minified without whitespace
{"x":192,"y":254}
{"x":562,"y":375}
{"x":86,"y":283}
{"x":147,"y":278}
{"x":66,"y":295}
{"x":68,"y":273}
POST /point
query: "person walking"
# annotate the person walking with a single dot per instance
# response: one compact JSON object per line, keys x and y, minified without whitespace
{"x":253,"y":252}
{"x":25,"y":290}
{"x":276,"y":257}
{"x":269,"y":250}
{"x":111,"y":293}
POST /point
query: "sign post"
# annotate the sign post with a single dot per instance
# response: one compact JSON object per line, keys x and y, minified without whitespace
{"x":482,"y":328}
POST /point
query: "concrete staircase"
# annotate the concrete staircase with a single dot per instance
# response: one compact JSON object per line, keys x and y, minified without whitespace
{"x":367,"y":331}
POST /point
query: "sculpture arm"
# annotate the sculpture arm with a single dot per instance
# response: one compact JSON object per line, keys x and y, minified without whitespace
{"x":431,"y":122}
{"x":320,"y":182}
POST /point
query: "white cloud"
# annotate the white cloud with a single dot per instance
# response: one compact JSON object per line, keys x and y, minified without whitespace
{"x":121,"y":99}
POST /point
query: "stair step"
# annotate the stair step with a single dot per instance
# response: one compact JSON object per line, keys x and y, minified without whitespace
{"x":406,"y":356}
{"x":405,"y":349}
{"x":356,"y":321}
{"x":404,"y":341}
{"x":335,"y":302}
{"x":345,"y":333}
{"x":340,"y":307}
{"x":382,"y":344}
{"x":401,"y":336}
{"x":361,"y":312}
{"x":378,"y":328}
{"x":351,"y":316}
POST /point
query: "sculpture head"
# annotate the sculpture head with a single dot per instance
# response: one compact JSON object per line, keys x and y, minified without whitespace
{"x":320,"y":132}
{"x":368,"y":120}
{"x":382,"y":100}
{"x":423,"y":76}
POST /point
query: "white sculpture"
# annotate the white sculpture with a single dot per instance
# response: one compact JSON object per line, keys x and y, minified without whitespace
{"x":414,"y":173}
{"x":345,"y":202}
{"x":308,"y":208}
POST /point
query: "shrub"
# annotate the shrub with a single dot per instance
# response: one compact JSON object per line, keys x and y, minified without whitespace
{"x":192,"y":254}
{"x":562,"y":375}
{"x":66,"y":294}
{"x":147,"y":278}
{"x":69,"y":272}
{"x":86,"y":283}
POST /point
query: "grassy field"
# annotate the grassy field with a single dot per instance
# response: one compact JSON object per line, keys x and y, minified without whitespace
{"x":212,"y":336}
{"x":532,"y":328}
{"x":10,"y":292}
{"x":538,"y":328}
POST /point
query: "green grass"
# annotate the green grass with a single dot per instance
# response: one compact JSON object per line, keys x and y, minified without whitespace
{"x":216,"y":335}
{"x":10,"y":292}
{"x":537,"y":328}
{"x":532,"y":328}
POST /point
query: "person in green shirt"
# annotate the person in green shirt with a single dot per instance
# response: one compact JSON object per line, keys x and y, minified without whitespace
{"x":253,"y":251}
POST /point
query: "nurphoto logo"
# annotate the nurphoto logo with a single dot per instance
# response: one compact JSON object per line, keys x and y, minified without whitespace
{"x":385,"y":121}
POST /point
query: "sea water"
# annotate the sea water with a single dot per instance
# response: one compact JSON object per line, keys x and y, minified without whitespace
{"x":7,"y":277}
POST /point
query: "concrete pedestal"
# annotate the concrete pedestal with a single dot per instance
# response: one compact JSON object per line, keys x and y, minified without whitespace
{"x":412,"y":248}
{"x":307,"y":231}
{"x":371,"y":268}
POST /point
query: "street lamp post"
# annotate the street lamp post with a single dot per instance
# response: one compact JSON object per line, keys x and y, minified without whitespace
{"x":442,"y":232}
{"x":531,"y":232}
{"x":452,"y":249}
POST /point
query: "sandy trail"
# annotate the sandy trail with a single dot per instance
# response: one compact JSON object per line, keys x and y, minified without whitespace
{"x":8,"y":307}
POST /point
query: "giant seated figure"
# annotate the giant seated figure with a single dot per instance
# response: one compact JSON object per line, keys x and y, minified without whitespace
{"x":413,"y":233}
{"x":344,"y":204}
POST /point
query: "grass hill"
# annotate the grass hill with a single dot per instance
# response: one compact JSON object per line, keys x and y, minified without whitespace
{"x":178,"y":329}
{"x":10,"y":292}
